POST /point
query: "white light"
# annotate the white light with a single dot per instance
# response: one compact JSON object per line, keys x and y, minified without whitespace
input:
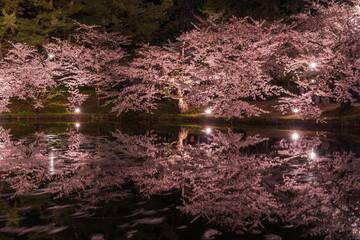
{"x":77,"y":125}
{"x":208,"y":111}
{"x":313,"y":65}
{"x":295,"y":110}
{"x":312,"y":80}
{"x":208,"y":130}
{"x":77,"y":110}
{"x":312,"y":155}
{"x":51,"y":56}
{"x":295,"y":136}
{"x":52,"y":169}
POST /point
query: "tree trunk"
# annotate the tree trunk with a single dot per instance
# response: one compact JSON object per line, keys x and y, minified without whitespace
{"x":183,"y":133}
{"x":47,"y":38}
{"x":100,"y":100}
{"x":103,"y":21}
{"x":325,"y":101}
{"x":182,"y":105}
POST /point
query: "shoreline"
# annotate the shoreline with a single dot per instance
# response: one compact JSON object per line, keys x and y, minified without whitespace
{"x":333,"y":123}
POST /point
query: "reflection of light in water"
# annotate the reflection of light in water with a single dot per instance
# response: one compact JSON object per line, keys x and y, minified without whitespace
{"x":295,"y":110}
{"x":208,"y":130}
{"x":312,"y":154}
{"x":77,"y":110}
{"x":208,"y":111}
{"x":295,"y":136}
{"x":52,"y":169}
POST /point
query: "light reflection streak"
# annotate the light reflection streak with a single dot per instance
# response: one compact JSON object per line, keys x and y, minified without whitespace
{"x":295,"y":136}
{"x":208,"y":130}
{"x":52,"y":169}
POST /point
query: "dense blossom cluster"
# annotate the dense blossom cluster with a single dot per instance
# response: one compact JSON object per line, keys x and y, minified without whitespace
{"x":324,"y":56}
{"x":219,"y":67}
{"x":31,"y":74}
{"x":227,"y":67}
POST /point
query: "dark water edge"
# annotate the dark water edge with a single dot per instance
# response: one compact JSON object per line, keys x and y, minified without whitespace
{"x":333,"y":124}
{"x":154,"y":217}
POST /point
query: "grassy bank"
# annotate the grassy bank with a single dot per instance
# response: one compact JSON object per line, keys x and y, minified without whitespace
{"x":55,"y":109}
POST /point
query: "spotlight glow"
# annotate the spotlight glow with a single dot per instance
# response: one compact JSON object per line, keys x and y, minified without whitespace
{"x":77,"y":125}
{"x":51,"y":56}
{"x":208,"y":111}
{"x":77,"y":110}
{"x":295,"y":110}
{"x":295,"y":136}
{"x":313,"y":65}
{"x":208,"y":130}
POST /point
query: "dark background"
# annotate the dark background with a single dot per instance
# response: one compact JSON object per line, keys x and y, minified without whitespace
{"x":36,"y":21}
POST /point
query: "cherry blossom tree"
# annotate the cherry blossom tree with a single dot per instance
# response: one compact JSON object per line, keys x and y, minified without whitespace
{"x":230,"y":60}
{"x":95,"y":59}
{"x":324,"y":56}
{"x":24,"y":75}
{"x":222,"y":67}
{"x":29,"y":75}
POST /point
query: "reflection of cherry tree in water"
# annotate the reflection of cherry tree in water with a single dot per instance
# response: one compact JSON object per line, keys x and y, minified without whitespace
{"x":220,"y":183}
{"x":218,"y":180}
{"x":330,"y":200}
{"x":323,"y":193}
{"x":81,"y":166}
{"x":319,"y":191}
{"x":84,"y":167}
{"x":22,"y":162}
{"x":88,"y":169}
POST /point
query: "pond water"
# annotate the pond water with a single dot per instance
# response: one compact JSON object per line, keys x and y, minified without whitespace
{"x":111,"y":181}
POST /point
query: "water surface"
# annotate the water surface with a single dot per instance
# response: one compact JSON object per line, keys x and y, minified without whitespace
{"x":110,"y":181}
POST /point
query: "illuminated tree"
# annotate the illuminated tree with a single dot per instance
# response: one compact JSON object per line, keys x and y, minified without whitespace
{"x":31,"y":75}
{"x":24,"y":76}
{"x":222,"y":66}
{"x":324,"y":56}
{"x":95,"y":60}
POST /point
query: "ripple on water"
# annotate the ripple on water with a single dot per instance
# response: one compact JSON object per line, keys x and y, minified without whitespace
{"x":49,"y":229}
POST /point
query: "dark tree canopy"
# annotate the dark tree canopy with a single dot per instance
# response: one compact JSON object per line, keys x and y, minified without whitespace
{"x":36,"y":21}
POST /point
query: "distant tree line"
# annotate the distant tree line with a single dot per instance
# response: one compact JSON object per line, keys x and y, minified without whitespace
{"x":35,"y":22}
